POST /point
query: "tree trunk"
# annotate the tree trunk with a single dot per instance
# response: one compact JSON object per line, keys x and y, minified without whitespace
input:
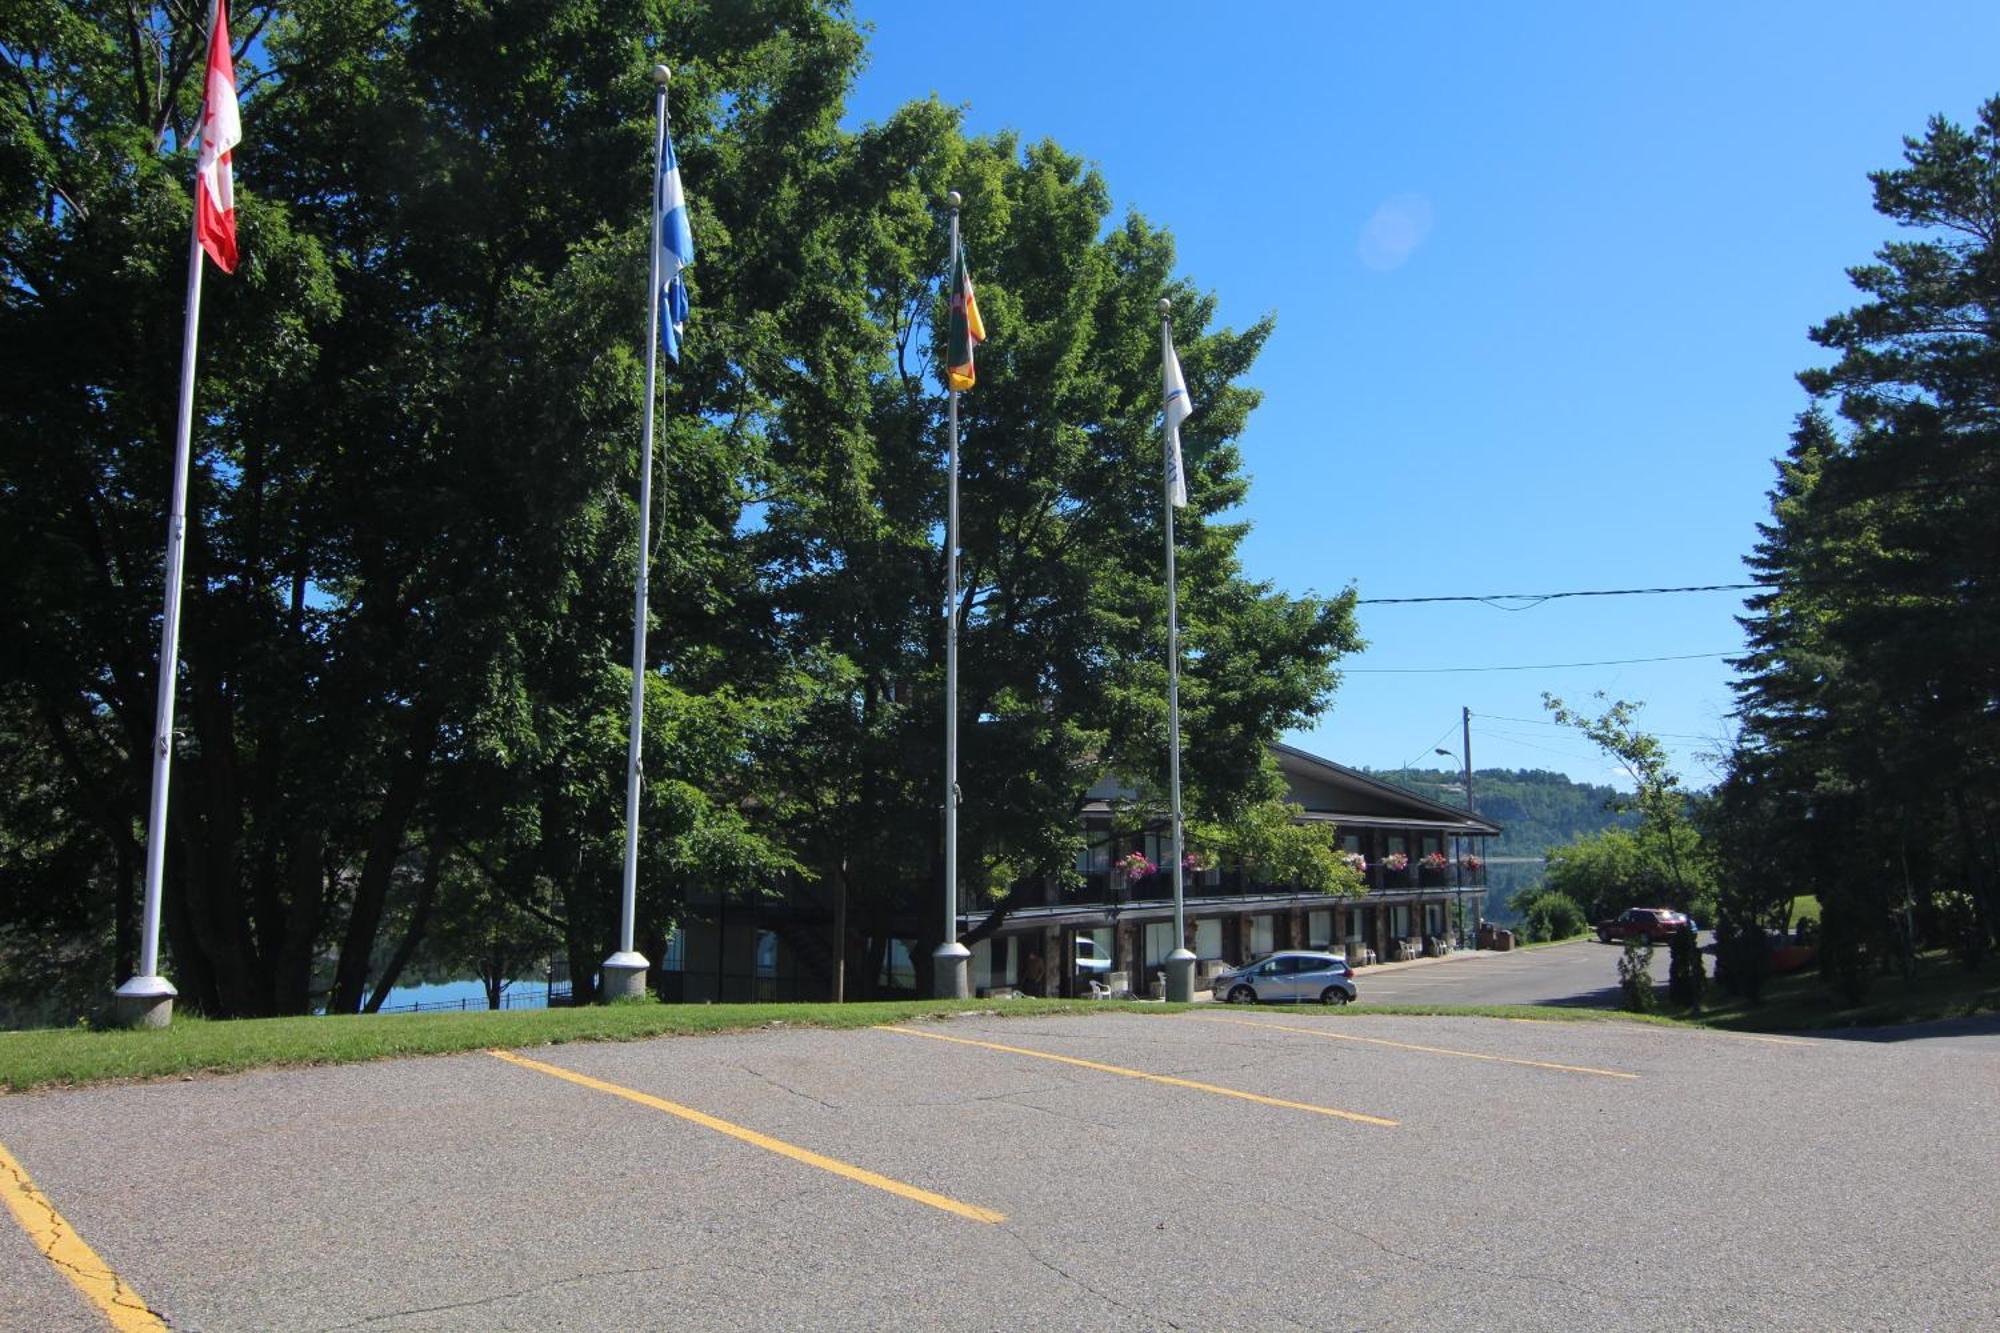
{"x":385,"y":846}
{"x":840,"y":932}
{"x":420,"y":917}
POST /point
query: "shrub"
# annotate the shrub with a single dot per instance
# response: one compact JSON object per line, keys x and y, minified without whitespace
{"x":1742,"y":959}
{"x":1635,"y":976}
{"x":1553,"y":916}
{"x":1686,"y":977}
{"x":1843,"y":952}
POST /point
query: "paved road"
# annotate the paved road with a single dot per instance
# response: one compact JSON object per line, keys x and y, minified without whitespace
{"x":1583,"y":972}
{"x":1535,"y":1176}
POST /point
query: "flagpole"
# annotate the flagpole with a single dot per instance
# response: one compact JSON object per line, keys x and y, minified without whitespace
{"x":950,"y":963}
{"x":1180,"y":962}
{"x":625,"y":971}
{"x":147,"y":998}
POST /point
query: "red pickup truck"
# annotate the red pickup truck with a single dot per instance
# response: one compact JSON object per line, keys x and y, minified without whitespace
{"x":1656,"y":924}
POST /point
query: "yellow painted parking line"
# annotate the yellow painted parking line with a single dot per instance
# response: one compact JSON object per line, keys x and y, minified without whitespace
{"x":1166,"y":1079}
{"x":860,"y":1175}
{"x":1412,"y":1046}
{"x":68,"y":1255}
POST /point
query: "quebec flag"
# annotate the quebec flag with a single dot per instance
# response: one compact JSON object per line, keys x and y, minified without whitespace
{"x":676,"y":250}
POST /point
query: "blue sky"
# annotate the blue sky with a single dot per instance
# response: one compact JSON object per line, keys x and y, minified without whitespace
{"x":1542,"y":274}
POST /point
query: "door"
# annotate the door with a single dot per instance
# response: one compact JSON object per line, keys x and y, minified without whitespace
{"x":1314,"y":976}
{"x":1284,"y":979}
{"x":1264,"y":979}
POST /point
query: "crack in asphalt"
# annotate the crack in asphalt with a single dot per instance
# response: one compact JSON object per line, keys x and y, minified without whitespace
{"x":1505,"y":1275}
{"x":57,"y":1228}
{"x":719,"y":1244}
{"x":783,"y":1086}
{"x":1014,"y":1099}
{"x":497,"y":1297}
{"x":1078,"y":1282}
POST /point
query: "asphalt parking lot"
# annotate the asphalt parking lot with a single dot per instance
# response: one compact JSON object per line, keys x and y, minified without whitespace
{"x":1581,"y":972}
{"x":1264,"y":1169}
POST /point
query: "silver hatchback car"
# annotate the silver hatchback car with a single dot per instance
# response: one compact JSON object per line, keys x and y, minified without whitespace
{"x":1296,"y":975}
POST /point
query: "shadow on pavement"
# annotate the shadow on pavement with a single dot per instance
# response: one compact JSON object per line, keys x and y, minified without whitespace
{"x":1977,"y":1025}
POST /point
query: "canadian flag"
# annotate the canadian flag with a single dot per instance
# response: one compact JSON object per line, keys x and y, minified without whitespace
{"x":221,"y":130}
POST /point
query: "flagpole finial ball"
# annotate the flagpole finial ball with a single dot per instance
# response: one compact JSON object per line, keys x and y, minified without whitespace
{"x":661,"y":74}
{"x":1165,"y":305}
{"x":953,"y":199}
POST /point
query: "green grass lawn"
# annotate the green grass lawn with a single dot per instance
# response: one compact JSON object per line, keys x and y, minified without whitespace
{"x":1943,"y":987}
{"x":1519,"y":943}
{"x":71,"y":1057}
{"x":193,"y":1045}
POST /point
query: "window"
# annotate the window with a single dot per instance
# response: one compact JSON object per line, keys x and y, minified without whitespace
{"x":1208,"y":938}
{"x":1399,"y":920}
{"x":767,"y":953}
{"x":898,"y":973}
{"x":1319,"y":929}
{"x":1262,"y":934}
{"x":675,"y":957}
{"x":993,"y":961}
{"x":1160,"y":942}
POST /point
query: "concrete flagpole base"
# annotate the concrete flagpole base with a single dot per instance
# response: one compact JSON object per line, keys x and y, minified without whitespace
{"x":951,"y":971}
{"x":146,"y":1002}
{"x":1180,"y":977}
{"x":625,"y":976}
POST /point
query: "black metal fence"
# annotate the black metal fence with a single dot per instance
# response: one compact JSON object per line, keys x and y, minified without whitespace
{"x":526,"y":997}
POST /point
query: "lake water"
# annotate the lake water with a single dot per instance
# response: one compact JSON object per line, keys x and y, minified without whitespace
{"x":472,"y":993}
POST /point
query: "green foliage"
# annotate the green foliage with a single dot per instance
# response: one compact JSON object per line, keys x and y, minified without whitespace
{"x":1550,"y":914}
{"x":1535,"y":808}
{"x":407,"y":620}
{"x":1742,"y":959}
{"x":1687,"y":976}
{"x":1275,"y":846}
{"x":1844,"y":951}
{"x":1869,"y":774}
{"x":1635,"y":977}
{"x":1617,"y":869}
{"x":1665,"y":854}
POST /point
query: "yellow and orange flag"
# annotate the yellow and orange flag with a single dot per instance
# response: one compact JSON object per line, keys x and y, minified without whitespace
{"x":968,"y":330}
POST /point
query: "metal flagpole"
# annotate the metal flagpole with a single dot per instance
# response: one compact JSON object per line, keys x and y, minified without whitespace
{"x":625,"y":971}
{"x":950,"y":979}
{"x":1180,"y":962}
{"x":147,"y":998}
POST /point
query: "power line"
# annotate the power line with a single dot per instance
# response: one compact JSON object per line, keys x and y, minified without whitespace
{"x":1541,"y":666}
{"x":1411,"y":763}
{"x":1535,"y":599}
{"x":1544,"y":722}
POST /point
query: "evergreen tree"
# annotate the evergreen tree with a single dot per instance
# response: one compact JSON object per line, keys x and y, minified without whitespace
{"x":1869,"y":694}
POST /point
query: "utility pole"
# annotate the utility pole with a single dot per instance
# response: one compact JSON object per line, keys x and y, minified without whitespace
{"x":1465,"y":749}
